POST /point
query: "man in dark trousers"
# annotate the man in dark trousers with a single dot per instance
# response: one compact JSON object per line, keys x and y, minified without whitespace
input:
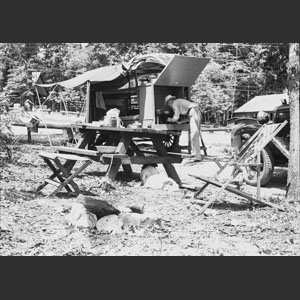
{"x":184,"y":107}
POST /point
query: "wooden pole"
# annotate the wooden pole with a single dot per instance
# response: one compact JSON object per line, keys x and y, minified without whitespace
{"x":88,"y":99}
{"x":41,"y":110}
{"x":29,"y":134}
{"x":258,"y":175}
{"x":67,"y":112}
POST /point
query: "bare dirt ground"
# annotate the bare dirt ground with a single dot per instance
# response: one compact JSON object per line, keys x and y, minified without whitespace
{"x":31,"y":225}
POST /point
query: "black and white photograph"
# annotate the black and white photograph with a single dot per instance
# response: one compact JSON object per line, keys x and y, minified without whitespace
{"x":149,"y":149}
{"x":143,"y":134}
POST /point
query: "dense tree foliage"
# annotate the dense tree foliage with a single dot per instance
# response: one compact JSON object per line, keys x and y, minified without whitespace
{"x":236,"y":73}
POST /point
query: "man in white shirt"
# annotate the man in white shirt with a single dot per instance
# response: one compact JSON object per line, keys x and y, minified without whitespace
{"x":184,"y":107}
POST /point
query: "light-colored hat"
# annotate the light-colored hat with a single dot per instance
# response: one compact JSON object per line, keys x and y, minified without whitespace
{"x":168,"y":98}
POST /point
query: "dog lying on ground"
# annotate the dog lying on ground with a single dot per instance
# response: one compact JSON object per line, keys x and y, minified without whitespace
{"x":151,"y":178}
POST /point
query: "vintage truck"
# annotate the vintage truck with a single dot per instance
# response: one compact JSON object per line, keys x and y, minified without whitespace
{"x":275,"y":154}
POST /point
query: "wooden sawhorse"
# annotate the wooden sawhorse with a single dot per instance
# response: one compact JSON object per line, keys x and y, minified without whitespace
{"x":63,"y":171}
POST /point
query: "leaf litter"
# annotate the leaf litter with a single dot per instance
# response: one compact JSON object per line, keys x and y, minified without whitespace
{"x":31,"y":225}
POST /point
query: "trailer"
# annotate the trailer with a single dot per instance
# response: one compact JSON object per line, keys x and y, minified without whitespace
{"x":138,"y":89}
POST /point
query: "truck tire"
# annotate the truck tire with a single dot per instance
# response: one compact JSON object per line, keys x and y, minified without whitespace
{"x":250,"y":173}
{"x":171,"y":142}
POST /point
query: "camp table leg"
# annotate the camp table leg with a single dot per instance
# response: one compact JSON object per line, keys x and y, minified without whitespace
{"x":162,"y":151}
{"x":87,"y":138}
{"x":136,"y":149}
{"x":116,"y":162}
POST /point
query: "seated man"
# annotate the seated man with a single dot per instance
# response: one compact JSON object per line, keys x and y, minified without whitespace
{"x":190,"y":109}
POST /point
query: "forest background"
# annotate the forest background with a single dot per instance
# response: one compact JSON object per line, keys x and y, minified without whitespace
{"x":236,"y":73}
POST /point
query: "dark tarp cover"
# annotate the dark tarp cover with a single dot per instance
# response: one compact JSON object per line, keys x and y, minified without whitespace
{"x":117,"y":75}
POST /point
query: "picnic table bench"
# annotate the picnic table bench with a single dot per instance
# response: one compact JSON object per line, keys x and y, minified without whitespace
{"x":114,"y":157}
{"x":125,"y":139}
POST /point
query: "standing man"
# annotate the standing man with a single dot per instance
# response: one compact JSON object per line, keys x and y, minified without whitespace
{"x":184,"y":107}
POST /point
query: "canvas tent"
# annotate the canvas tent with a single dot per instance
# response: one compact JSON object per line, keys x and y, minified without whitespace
{"x":117,"y":76}
{"x":266,"y":103}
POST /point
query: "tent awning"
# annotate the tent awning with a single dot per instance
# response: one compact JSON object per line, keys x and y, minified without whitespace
{"x":182,"y":71}
{"x":109,"y":73}
{"x":118,"y":74}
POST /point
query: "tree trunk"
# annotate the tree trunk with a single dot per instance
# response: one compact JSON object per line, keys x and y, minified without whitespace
{"x":293,"y":183}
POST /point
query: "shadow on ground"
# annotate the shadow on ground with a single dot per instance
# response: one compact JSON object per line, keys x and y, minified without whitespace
{"x":121,"y":176}
{"x":279,"y":179}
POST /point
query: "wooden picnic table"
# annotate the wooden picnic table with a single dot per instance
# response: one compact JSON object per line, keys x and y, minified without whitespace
{"x":125,"y":140}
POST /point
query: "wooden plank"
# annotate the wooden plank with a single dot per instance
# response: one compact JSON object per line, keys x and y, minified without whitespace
{"x":72,"y":157}
{"x":278,"y":143}
{"x":156,"y":160}
{"x":162,"y":151}
{"x":171,"y":127}
{"x":258,"y":176}
{"x":77,"y":151}
{"x":136,"y":149}
{"x":115,"y":155}
{"x":29,"y":135}
{"x":127,"y":168}
{"x":121,"y":150}
{"x":109,"y":158}
{"x":237,"y":192}
{"x":47,"y":125}
{"x":86,"y":138}
{"x":203,"y":129}
{"x":53,"y":182}
{"x":138,"y":160}
{"x":53,"y":156}
{"x":124,"y":143}
{"x":249,"y":164}
{"x":137,"y":132}
{"x":183,"y":155}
